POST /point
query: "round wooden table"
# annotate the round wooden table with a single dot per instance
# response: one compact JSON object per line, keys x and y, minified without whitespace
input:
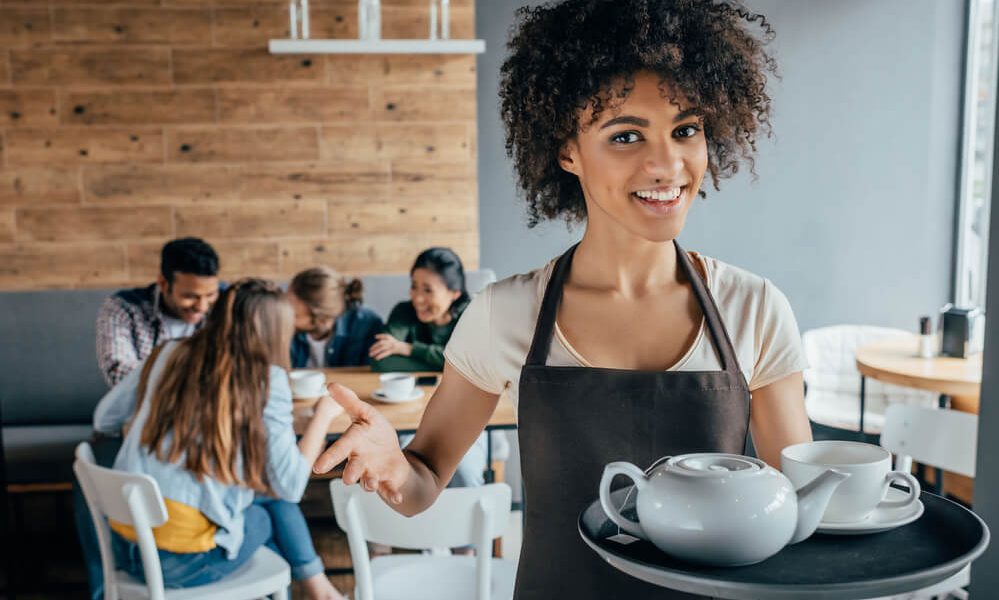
{"x":897,"y":362}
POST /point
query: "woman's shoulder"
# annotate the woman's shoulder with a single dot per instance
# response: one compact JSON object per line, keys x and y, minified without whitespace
{"x":726,"y":278}
{"x":522,"y":288}
{"x":403,"y":311}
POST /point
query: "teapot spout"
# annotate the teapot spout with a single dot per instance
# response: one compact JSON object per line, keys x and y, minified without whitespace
{"x":813,"y":498}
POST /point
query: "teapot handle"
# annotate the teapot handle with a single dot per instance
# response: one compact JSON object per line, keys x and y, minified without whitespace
{"x":635,"y":474}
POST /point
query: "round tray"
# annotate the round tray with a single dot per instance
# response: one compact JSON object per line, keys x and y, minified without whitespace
{"x":939,"y":544}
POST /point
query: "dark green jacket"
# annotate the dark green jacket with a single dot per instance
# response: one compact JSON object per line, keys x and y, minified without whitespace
{"x":428,"y":341}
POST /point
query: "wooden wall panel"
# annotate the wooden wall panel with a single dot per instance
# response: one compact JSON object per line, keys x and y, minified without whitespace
{"x":36,"y":266}
{"x":424,"y":103}
{"x":455,"y":70}
{"x":253,"y":219}
{"x":382,"y":253}
{"x":85,"y":65}
{"x":82,"y":146}
{"x":28,"y":108}
{"x":24,"y":25}
{"x":126,"y":123}
{"x":173,"y":106}
{"x":91,"y":224}
{"x":159,"y":184}
{"x":293,"y":105}
{"x":255,"y":65}
{"x":6,"y":226}
{"x":243,"y":145}
{"x":34,"y":186}
{"x":401,"y":216}
{"x":133,"y":25}
{"x":332,"y":180}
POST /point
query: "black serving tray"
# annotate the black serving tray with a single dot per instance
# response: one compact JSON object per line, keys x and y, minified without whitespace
{"x":936,"y":546}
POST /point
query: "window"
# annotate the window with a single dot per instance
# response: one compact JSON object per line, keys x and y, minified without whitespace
{"x":976,"y":154}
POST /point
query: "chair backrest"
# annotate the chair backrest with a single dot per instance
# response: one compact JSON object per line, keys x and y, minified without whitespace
{"x":129,"y":498}
{"x":831,"y":355}
{"x":459,"y":517}
{"x":942,"y":438}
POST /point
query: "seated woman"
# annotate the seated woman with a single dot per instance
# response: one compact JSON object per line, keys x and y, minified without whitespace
{"x":418,"y":330}
{"x":332,"y":328}
{"x":213,"y":427}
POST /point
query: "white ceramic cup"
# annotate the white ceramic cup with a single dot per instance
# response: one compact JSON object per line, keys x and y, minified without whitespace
{"x":397,"y":386}
{"x":869,"y":467}
{"x":307,"y":384}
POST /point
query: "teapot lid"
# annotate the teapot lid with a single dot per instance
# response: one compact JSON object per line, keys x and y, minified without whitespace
{"x":714,"y":464}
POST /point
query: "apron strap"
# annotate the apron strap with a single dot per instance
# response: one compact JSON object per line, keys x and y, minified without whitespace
{"x":545,"y":328}
{"x":723,"y":344}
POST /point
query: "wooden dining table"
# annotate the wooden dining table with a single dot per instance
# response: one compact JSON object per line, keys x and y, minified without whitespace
{"x":959,"y":380}
{"x":403,"y":416}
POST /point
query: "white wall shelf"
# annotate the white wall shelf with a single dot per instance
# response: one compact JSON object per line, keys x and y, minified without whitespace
{"x":314,"y":46}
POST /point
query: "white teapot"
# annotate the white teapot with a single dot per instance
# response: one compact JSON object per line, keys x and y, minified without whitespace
{"x":719,"y":509}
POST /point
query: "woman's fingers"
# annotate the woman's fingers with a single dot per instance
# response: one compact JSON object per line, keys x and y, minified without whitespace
{"x":358,"y":409}
{"x":337,"y":452}
{"x":354,"y":471}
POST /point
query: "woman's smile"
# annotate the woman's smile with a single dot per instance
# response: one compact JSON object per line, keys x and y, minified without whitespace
{"x":661,"y":201}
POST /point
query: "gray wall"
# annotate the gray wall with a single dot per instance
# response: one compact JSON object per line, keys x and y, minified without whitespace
{"x":853,"y":212}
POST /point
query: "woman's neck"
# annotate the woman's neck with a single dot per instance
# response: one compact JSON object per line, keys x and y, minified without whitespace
{"x":622,"y":262}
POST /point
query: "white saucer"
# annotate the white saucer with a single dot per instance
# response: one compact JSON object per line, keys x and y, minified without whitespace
{"x":381,"y":397}
{"x":882,"y":519}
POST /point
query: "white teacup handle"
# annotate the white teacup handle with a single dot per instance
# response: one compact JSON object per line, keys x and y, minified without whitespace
{"x":631,"y":472}
{"x":906,"y":479}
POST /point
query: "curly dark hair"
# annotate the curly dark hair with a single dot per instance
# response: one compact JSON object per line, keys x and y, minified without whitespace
{"x":567,"y":56}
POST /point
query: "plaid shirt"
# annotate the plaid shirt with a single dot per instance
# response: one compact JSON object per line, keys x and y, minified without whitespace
{"x":129,"y":326}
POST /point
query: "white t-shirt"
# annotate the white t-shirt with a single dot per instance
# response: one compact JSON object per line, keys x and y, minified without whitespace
{"x":491,"y":340}
{"x":317,"y":352}
{"x":178,"y":328}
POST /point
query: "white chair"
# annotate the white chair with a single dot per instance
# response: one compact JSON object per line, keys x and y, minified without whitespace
{"x":942,"y":438}
{"x":832,"y":397}
{"x":135,"y":500}
{"x":459,"y":517}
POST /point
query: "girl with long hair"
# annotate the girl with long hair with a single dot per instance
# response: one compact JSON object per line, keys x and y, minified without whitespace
{"x":213,"y":427}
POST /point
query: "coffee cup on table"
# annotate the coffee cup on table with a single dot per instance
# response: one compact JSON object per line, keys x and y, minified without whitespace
{"x":868,"y":466}
{"x":397,"y":386}
{"x":307,"y":385}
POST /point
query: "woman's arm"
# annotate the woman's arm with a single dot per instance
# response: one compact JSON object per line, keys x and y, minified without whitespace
{"x":412,"y":479}
{"x":778,"y":418}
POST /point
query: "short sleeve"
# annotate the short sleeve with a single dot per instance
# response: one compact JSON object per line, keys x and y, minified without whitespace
{"x":470,"y":349}
{"x":778,"y":342}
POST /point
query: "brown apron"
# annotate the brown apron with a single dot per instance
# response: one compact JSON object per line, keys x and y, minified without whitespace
{"x":574,"y":420}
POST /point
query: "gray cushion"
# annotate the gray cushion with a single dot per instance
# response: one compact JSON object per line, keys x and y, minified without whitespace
{"x":41,"y":454}
{"x":49,"y":372}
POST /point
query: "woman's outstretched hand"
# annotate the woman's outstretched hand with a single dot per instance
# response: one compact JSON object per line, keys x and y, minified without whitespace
{"x":370,"y":446}
{"x":387,"y":346}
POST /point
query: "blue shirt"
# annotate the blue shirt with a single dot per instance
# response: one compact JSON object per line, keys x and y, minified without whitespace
{"x":353,"y":334}
{"x":222,"y":504}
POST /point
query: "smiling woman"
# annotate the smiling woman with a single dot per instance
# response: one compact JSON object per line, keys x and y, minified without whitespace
{"x":626,"y":347}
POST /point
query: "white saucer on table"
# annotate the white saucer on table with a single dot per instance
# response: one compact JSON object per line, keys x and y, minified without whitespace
{"x":381,"y":397}
{"x":882,"y":519}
